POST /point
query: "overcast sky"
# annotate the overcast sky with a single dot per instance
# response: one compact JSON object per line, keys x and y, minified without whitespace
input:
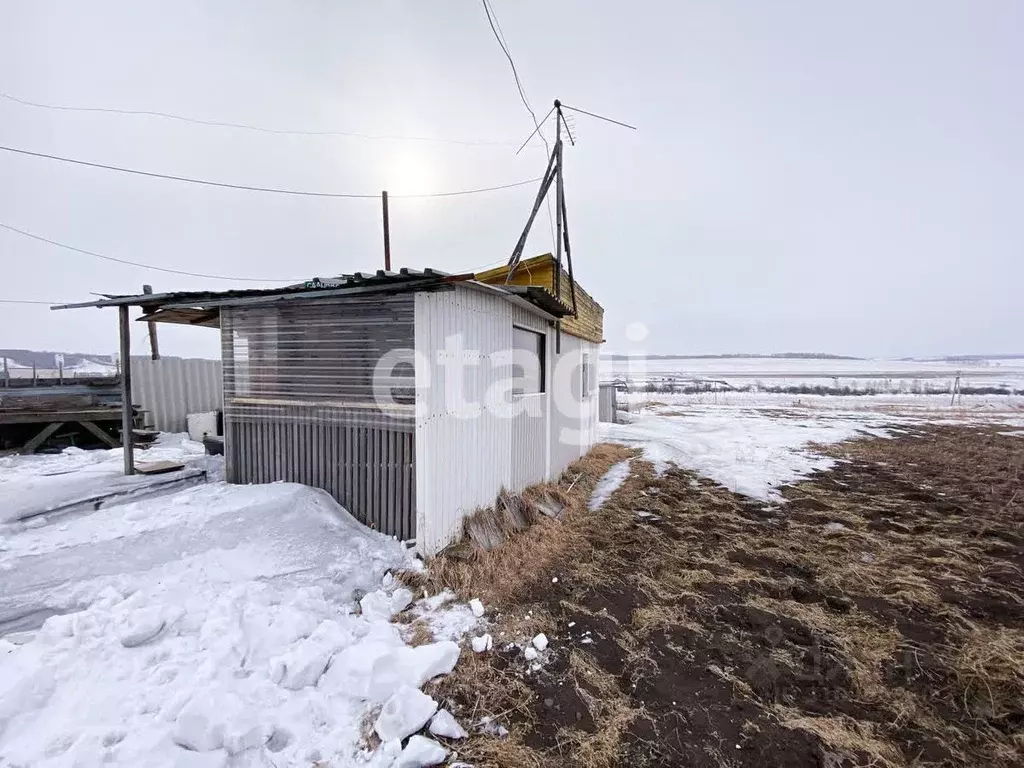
{"x":844,"y":177}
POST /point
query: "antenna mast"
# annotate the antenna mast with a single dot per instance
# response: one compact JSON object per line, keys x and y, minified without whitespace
{"x":553,"y":174}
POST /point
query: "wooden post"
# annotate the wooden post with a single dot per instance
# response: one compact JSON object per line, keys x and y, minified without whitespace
{"x":34,"y":373}
{"x":127,"y":413}
{"x":154,"y":345}
{"x":7,"y":374}
{"x":387,"y":231}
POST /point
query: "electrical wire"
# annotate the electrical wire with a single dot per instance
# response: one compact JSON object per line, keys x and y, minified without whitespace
{"x":28,"y":301}
{"x":141,"y":265}
{"x":492,"y":19}
{"x":247,"y":127}
{"x":275,"y":190}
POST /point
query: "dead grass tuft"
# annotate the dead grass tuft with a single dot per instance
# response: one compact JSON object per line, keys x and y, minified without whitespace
{"x":989,"y":668}
{"x":851,"y":738}
{"x":530,"y":557}
{"x":420,"y":633}
{"x":608,"y":707}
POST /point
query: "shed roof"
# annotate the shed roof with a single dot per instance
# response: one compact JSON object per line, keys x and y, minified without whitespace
{"x":203,"y":307}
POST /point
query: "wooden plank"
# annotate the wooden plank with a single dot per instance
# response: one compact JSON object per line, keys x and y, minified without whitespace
{"x":103,"y":436}
{"x":32,"y":445}
{"x":44,"y":417}
{"x":158,"y":467}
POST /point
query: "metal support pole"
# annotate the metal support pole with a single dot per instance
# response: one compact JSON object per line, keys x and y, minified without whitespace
{"x":154,"y":344}
{"x":559,"y":193}
{"x":127,"y":413}
{"x":387,"y":231}
{"x":7,"y":373}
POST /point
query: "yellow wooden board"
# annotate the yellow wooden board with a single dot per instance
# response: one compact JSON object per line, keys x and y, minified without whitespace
{"x":540,"y":271}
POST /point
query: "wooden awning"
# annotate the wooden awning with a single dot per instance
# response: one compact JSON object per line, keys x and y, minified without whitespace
{"x":208,"y":318}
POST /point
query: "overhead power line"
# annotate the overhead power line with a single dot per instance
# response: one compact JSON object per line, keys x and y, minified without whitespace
{"x":141,"y":265}
{"x":274,"y":190}
{"x":492,"y":20}
{"x":247,"y":127}
{"x":27,"y":301}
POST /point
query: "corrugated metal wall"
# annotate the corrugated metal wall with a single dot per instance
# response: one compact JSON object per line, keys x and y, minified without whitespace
{"x":466,"y":453}
{"x":171,"y":388}
{"x":302,"y":403}
{"x":573,"y":415}
{"x":607,"y":403}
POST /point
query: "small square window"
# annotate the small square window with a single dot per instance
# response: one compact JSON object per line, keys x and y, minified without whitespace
{"x":528,"y":363}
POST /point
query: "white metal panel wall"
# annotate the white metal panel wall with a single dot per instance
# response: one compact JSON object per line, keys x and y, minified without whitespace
{"x":465,"y":453}
{"x":573,"y":417}
{"x":171,"y":388}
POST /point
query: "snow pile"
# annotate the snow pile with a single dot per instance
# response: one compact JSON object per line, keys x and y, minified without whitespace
{"x":747,"y":450}
{"x":608,"y":484}
{"x":219,"y":627}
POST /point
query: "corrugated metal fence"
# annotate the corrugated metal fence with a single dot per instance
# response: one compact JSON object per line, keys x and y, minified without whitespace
{"x":304,"y":403}
{"x":171,"y":388}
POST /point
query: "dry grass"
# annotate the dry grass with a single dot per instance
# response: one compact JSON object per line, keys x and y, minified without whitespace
{"x":897,"y":641}
{"x":850,"y":739}
{"x":419,"y":633}
{"x":528,"y":558}
{"x":989,"y":669}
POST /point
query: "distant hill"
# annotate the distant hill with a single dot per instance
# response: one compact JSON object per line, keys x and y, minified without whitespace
{"x":26,"y":358}
{"x":777,"y":355}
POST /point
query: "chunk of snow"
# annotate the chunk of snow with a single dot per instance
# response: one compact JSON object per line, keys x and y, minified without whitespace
{"x":444,"y":724}
{"x":834,"y":528}
{"x":143,"y":627}
{"x":307,"y":660}
{"x":554,"y":580}
{"x":540,"y":642}
{"x":375,"y":670}
{"x":530,"y":653}
{"x":477,"y":607}
{"x":482,"y":643}
{"x":196,"y":730}
{"x":219,"y":719}
{"x":401,"y":599}
{"x":380,"y":605}
{"x":488,"y":726}
{"x":421,"y":752}
{"x":404,"y":713}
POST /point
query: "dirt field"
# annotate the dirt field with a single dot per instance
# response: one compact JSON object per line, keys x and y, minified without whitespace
{"x":875,"y":619}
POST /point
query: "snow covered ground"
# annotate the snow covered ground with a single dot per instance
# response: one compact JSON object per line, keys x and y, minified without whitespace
{"x":34,"y":484}
{"x":879,"y":375}
{"x":217,"y":625}
{"x":752,"y":443}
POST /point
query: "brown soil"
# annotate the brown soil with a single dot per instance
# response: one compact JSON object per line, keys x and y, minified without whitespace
{"x":734,"y":633}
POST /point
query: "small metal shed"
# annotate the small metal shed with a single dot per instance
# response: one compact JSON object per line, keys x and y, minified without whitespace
{"x":391,"y":390}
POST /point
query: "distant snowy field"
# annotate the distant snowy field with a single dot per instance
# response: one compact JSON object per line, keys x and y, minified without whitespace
{"x":212,"y":626}
{"x":880,"y":376}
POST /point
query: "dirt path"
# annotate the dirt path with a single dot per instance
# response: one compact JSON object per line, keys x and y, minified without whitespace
{"x":877,"y":618}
